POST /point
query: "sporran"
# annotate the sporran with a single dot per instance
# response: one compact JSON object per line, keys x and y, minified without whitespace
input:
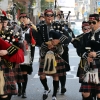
{"x":50,"y":63}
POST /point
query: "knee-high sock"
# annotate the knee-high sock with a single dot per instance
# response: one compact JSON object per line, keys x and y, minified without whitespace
{"x":62,"y":80}
{"x":44,"y":83}
{"x":19,"y":85}
{"x":9,"y":97}
{"x":24,"y":84}
{"x":55,"y":87}
{"x":94,"y":95}
{"x":88,"y":98}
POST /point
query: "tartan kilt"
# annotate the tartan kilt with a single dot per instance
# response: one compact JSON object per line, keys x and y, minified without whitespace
{"x":60,"y":68}
{"x":89,"y":87}
{"x":18,"y":73}
{"x":82,"y":73}
{"x":10,"y":82}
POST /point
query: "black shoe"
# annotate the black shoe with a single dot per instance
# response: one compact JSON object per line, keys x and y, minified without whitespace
{"x":24,"y":95}
{"x":63,"y":90}
{"x":45,"y":94}
{"x":19,"y":92}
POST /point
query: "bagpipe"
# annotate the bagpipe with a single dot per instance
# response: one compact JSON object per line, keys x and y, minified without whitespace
{"x":17,"y":56}
{"x":94,"y":45}
{"x":91,"y":75}
{"x":10,"y":36}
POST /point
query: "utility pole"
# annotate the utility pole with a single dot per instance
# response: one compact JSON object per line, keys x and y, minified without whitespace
{"x":55,"y":7}
{"x":14,"y":10}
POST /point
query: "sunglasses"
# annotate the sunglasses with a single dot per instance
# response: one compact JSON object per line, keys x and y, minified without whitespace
{"x":23,"y":17}
{"x":86,"y":28}
{"x":59,"y":15}
{"x":49,"y":15}
{"x":93,"y":22}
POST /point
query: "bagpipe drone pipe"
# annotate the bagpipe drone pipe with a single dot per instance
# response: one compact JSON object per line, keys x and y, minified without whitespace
{"x":11,"y":36}
{"x":58,"y":27}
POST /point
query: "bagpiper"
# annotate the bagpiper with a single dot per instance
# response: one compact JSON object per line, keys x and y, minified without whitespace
{"x":89,"y":74}
{"x":50,"y":40}
{"x":10,"y":55}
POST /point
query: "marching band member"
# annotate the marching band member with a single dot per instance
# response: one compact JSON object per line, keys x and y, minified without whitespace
{"x":28,"y":30}
{"x":12,"y":34}
{"x":78,"y":42}
{"x":41,"y":18}
{"x":89,"y":74}
{"x":65,"y":55}
{"x":9,"y":55}
{"x":44,"y":35}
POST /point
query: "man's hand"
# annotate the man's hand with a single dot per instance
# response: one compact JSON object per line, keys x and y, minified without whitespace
{"x":92,"y":54}
{"x":50,"y":46}
{"x":3,"y":52}
{"x":55,"y":41}
{"x":89,"y":59}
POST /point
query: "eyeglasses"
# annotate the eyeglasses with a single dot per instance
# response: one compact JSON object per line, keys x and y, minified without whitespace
{"x":49,"y":15}
{"x":93,"y":22}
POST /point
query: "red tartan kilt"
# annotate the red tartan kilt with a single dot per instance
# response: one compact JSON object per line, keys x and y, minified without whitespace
{"x":60,"y":68}
{"x":11,"y":76}
{"x":90,"y":87}
{"x":18,"y":73}
{"x":10,"y":82}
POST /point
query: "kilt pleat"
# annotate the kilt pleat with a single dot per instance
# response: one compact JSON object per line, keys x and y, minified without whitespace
{"x":10,"y":82}
{"x":18,"y":73}
{"x":90,"y":87}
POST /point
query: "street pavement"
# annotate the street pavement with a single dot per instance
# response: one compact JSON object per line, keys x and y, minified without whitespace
{"x":35,"y":89}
